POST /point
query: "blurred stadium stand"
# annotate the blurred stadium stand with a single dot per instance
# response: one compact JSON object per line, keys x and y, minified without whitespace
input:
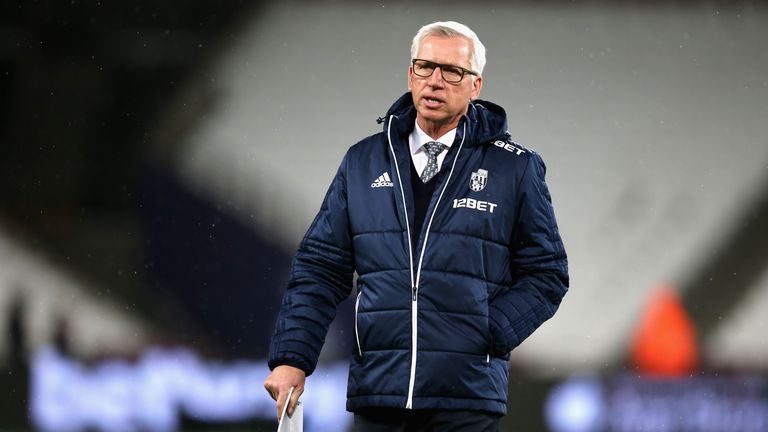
{"x":51,"y":302}
{"x":666,"y":164}
{"x":159,"y":165}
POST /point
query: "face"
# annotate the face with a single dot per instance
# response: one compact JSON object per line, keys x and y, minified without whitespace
{"x":439,"y":104}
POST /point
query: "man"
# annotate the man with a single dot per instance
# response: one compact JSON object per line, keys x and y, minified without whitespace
{"x":449,"y":226}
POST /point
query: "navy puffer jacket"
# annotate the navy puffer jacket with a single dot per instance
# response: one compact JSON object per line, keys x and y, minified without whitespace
{"x":434,"y":321}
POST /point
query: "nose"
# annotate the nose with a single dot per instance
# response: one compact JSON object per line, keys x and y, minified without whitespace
{"x":436,"y":79}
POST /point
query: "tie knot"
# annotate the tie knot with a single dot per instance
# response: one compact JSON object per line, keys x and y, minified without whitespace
{"x":434,"y":148}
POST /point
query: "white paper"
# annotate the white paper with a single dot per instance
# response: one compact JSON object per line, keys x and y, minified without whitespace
{"x":295,"y":422}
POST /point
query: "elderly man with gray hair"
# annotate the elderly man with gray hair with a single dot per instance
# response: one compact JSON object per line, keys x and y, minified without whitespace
{"x":450,"y":228}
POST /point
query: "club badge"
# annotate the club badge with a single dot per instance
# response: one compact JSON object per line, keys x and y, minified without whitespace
{"x":479,"y":180}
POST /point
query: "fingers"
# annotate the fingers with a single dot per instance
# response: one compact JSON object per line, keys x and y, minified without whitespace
{"x":271,"y":389}
{"x":294,"y":400}
{"x":281,"y":400}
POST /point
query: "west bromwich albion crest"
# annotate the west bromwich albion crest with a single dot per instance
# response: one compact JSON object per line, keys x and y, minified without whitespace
{"x":478,"y":180}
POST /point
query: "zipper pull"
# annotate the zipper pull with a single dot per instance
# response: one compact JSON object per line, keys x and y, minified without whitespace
{"x":414,"y":293}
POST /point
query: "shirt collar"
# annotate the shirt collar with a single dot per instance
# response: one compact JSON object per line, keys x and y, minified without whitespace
{"x":418,"y":138}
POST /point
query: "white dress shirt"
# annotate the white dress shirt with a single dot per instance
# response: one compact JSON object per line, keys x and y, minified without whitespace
{"x":419,"y":155}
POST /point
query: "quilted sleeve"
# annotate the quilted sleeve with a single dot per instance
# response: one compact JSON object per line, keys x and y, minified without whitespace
{"x":320,"y":278}
{"x":538,"y":263}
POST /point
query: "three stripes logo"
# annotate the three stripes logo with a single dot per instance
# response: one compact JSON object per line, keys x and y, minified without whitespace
{"x":382,"y":181}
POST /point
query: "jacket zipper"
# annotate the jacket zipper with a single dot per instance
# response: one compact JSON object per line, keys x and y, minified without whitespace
{"x":415,"y":283}
{"x":357,"y":335}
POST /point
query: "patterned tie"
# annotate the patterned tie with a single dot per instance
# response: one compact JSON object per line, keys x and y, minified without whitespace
{"x":433,"y":149}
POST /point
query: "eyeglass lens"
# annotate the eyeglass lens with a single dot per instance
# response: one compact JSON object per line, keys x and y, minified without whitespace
{"x":449,"y":73}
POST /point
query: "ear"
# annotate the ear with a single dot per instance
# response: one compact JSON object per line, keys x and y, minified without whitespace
{"x":477,"y":85}
{"x":410,"y":77}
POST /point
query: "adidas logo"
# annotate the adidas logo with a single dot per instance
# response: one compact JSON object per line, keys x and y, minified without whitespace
{"x":382,"y":181}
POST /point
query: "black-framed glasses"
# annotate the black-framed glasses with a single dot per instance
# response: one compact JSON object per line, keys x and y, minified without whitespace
{"x":451,"y":74}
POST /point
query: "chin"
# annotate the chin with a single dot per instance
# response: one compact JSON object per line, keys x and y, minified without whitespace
{"x":432,"y":115}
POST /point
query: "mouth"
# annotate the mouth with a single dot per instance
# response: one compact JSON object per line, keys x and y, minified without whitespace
{"x":432,"y":102}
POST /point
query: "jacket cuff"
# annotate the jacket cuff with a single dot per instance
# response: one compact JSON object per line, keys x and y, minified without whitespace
{"x":293,"y":361}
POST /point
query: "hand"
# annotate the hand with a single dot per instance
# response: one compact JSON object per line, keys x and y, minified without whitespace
{"x":280,"y":381}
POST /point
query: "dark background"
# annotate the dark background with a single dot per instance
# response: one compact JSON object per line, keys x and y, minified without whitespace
{"x":90,"y":90}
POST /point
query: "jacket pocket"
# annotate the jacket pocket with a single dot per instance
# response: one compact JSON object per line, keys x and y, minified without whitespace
{"x":357,"y":334}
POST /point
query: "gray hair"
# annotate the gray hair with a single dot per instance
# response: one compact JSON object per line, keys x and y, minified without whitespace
{"x":451,"y":29}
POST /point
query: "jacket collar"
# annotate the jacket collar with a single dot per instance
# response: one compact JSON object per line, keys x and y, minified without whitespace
{"x":485,"y":120}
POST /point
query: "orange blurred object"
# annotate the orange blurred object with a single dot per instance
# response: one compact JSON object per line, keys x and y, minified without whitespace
{"x":665,"y":342}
